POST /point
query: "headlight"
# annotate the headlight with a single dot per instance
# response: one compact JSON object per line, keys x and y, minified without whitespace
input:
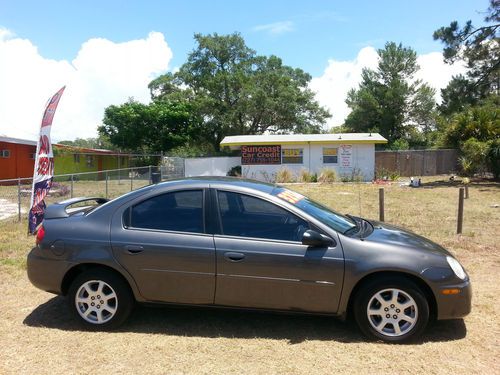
{"x":456,"y":267}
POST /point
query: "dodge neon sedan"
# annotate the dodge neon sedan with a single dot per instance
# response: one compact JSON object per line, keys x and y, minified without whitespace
{"x":227,"y":242}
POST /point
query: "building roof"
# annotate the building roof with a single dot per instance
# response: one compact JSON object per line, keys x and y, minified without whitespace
{"x":17,"y":141}
{"x":75,"y":149}
{"x":84,"y":150}
{"x":272,"y":139}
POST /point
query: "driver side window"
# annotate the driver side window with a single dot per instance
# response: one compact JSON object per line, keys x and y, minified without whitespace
{"x":246,"y":216}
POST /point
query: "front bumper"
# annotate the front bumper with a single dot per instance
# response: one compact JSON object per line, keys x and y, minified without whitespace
{"x":453,"y":306}
{"x":45,"y":273}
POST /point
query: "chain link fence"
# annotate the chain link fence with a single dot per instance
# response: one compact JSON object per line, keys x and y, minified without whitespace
{"x":172,"y":167}
{"x":15,"y":194}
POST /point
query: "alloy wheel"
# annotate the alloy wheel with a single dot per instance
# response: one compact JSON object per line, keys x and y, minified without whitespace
{"x":392,"y":312}
{"x":96,"y":302}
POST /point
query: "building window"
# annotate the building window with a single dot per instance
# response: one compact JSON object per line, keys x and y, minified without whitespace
{"x":5,"y":153}
{"x":329,"y":155}
{"x":76,"y":158}
{"x":90,"y":161}
{"x":292,"y":156}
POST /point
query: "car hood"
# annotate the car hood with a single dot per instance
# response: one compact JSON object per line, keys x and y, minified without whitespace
{"x":392,"y":235}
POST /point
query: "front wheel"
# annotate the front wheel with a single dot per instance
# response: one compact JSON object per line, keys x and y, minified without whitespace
{"x":392,"y":310}
{"x":100,"y":299}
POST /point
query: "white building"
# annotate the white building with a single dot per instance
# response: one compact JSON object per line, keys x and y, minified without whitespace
{"x":349,"y":154}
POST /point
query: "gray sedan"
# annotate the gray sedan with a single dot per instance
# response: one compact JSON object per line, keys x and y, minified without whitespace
{"x":224,"y":242}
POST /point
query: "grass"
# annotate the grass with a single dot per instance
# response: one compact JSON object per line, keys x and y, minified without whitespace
{"x":37,"y":335}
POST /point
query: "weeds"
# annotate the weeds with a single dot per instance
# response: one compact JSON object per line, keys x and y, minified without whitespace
{"x":327,"y":176}
{"x":306,"y":176}
{"x":284,"y":175}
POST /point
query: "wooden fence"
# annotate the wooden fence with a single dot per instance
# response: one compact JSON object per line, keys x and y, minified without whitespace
{"x":417,"y":162}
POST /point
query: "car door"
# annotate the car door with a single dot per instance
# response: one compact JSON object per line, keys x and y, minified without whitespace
{"x":161,"y":241}
{"x":262,"y":263}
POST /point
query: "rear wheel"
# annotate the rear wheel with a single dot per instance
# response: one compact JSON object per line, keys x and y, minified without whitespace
{"x":100,"y":299}
{"x":393,"y":310}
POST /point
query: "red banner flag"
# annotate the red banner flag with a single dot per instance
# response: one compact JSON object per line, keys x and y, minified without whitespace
{"x":44,"y":165}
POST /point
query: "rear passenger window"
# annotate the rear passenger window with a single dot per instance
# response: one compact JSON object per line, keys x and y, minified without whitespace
{"x":180,"y":211}
{"x":246,"y":216}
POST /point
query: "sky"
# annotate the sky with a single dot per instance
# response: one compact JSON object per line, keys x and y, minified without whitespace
{"x":108,"y":51}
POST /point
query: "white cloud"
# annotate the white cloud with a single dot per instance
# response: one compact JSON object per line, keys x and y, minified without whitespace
{"x":340,"y":76}
{"x":436,"y":73}
{"x":275,"y":28}
{"x":103,"y":73}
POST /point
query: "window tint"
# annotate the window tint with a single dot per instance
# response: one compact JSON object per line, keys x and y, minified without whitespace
{"x":331,"y":218}
{"x":247,"y":216}
{"x":255,"y":205}
{"x":180,"y":211}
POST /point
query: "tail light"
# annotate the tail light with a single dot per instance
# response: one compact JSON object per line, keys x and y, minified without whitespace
{"x":40,"y":233}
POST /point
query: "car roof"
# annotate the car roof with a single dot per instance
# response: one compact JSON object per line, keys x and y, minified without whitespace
{"x":233,"y":183}
{"x":220,"y":182}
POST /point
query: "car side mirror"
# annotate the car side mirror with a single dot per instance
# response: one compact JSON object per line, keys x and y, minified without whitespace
{"x":315,"y":239}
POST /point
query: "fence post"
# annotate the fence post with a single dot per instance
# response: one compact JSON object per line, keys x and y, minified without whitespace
{"x":150,"y":177}
{"x":131,"y":174}
{"x":381,"y":204}
{"x":71,"y":186}
{"x":466,"y":192}
{"x":460,"y":218}
{"x":106,"y":185}
{"x":19,"y":199}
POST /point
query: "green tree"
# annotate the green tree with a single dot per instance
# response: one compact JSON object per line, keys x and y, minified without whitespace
{"x":153,"y":128}
{"x":480,"y":122}
{"x":475,"y":131}
{"x":390,"y":100}
{"x":235,"y":91}
{"x":100,"y":142}
{"x":457,"y":95}
{"x":479,"y":48}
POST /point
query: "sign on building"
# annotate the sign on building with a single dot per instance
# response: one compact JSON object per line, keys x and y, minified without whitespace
{"x":345,"y":153}
{"x":258,"y":155}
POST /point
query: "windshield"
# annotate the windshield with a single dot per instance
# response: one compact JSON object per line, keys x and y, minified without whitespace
{"x":334,"y":220}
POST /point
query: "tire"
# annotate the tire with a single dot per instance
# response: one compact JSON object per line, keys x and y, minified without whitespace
{"x":100,"y":299}
{"x":393,"y":310}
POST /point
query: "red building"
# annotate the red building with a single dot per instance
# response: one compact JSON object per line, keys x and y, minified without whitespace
{"x":17,"y":157}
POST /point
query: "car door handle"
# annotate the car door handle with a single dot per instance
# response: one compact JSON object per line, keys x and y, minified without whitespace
{"x":134,"y":249}
{"x":234,"y":257}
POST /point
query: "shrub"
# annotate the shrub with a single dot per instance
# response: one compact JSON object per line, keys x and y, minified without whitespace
{"x":305,"y":176}
{"x":354,"y":176}
{"x":385,"y":174}
{"x":475,"y":157}
{"x":284,"y":175}
{"x":493,"y":158}
{"x":235,"y":171}
{"x":466,"y":166}
{"x":327,"y":175}
{"x":399,"y":144}
{"x":394,"y":176}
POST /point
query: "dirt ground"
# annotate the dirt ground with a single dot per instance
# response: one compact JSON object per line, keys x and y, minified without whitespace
{"x":38,"y":336}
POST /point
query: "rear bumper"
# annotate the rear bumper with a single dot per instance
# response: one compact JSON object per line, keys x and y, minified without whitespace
{"x":45,"y":273}
{"x":453,"y":306}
